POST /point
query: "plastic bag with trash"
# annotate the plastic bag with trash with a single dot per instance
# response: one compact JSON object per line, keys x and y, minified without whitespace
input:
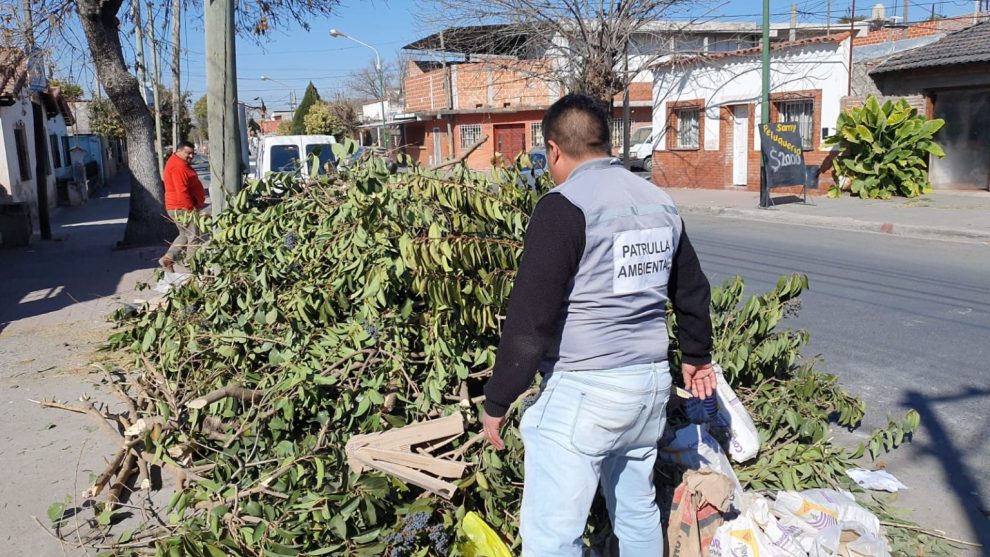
{"x":807,"y":513}
{"x":848,"y":539}
{"x":725,"y":412}
{"x":755,"y":532}
{"x":694,"y":448}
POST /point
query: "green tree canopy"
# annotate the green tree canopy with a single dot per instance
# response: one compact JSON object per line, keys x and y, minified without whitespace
{"x":202,"y":122}
{"x":104,"y":119}
{"x":321,"y":120}
{"x":310,"y":97}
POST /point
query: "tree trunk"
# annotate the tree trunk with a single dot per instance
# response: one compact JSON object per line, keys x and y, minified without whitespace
{"x":146,"y":222}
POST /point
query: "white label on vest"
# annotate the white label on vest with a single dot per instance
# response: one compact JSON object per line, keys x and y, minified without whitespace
{"x":642,"y":259}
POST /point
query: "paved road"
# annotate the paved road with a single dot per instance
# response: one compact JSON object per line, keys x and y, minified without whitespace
{"x":905,"y":323}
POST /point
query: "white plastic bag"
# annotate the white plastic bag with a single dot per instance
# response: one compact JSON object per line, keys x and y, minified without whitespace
{"x":693,"y":447}
{"x":170,"y":281}
{"x":878,"y":480}
{"x":784,"y":543}
{"x":742,"y":536}
{"x":848,"y":539}
{"x":804,"y":515}
{"x":727,"y":412}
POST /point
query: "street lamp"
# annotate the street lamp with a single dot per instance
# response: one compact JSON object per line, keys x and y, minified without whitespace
{"x":292,"y":92}
{"x":381,"y":79}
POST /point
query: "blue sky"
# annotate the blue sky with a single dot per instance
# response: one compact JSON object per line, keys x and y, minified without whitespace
{"x":295,"y":56}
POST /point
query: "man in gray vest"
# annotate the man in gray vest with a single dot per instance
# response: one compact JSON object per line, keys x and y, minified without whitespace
{"x":604,"y":252}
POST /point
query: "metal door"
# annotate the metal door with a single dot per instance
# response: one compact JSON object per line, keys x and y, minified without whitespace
{"x":740,"y":144}
{"x":510,"y":140}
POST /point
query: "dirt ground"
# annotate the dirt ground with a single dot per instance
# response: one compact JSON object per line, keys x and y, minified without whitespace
{"x":54,"y":301}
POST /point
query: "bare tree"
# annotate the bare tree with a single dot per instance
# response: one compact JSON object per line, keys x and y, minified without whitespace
{"x":103,"y":22}
{"x":583,"y":45}
{"x":366,"y":85}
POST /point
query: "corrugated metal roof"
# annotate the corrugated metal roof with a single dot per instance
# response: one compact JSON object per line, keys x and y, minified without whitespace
{"x":756,"y":50}
{"x":13,"y":73}
{"x":971,"y":45}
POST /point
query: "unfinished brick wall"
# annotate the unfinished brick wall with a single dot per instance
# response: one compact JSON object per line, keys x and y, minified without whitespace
{"x":425,"y":87}
{"x":915,"y":30}
{"x":476,"y":85}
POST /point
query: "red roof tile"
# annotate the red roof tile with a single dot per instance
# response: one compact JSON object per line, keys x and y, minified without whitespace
{"x":13,"y":73}
{"x":756,"y":50}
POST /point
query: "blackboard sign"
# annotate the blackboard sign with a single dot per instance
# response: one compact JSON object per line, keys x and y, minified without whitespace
{"x":783,"y":158}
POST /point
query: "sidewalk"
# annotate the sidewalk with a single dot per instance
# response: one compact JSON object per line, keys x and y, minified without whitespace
{"x":54,"y":301}
{"x":942,"y":215}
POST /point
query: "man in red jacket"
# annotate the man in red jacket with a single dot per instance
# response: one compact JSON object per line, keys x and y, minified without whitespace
{"x":184,"y":196}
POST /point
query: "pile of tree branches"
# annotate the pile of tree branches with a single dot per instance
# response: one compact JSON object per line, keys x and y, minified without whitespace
{"x":366,"y":301}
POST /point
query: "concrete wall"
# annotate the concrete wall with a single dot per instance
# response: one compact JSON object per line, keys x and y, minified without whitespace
{"x":15,"y":189}
{"x":813,"y":71}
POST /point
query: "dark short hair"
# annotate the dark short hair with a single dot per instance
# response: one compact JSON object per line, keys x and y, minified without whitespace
{"x":578,"y":124}
{"x":185,"y":145}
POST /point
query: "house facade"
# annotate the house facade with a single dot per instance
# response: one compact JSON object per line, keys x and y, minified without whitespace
{"x":467,"y":86}
{"x":952,"y":75}
{"x":706,"y":110}
{"x":33,"y":136}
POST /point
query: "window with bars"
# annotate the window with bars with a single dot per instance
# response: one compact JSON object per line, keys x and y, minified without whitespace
{"x":688,"y":128}
{"x":23,"y":160}
{"x":470,"y":134}
{"x":66,"y":152}
{"x":536,"y":134}
{"x":802,"y":113}
{"x":56,"y":151}
{"x":617,"y":133}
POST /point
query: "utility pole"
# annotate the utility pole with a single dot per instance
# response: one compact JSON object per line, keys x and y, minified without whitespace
{"x":907,"y":4}
{"x":793,"y":32}
{"x":625,"y":109}
{"x":176,"y":51}
{"x":765,"y":100}
{"x":221,"y":103}
{"x":828,"y":18}
{"x":852,"y":36}
{"x":139,"y":49}
{"x":155,"y":84}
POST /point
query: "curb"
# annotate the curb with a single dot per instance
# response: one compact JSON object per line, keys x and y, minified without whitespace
{"x":844,"y":223}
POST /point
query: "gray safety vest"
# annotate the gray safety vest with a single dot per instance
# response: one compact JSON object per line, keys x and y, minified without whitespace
{"x":615,"y":312}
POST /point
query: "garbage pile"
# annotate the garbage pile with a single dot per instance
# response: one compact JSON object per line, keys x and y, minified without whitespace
{"x":712,"y":515}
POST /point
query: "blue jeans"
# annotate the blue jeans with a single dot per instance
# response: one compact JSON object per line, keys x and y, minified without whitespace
{"x":586,"y":428}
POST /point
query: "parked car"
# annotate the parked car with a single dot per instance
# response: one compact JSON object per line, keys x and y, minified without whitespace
{"x":641,"y":150}
{"x":290,"y":153}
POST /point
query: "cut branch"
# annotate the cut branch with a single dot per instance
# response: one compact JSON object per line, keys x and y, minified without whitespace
{"x":463,"y":155}
{"x":235,"y":391}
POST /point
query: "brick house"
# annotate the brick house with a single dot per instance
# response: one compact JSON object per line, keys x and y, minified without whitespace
{"x":496,"y":90}
{"x":707,"y":109}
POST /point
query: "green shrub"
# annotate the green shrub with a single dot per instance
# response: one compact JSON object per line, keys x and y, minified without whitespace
{"x":883,"y":150}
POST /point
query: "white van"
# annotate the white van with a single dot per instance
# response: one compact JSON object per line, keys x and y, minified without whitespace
{"x":641,"y":150}
{"x":290,"y":153}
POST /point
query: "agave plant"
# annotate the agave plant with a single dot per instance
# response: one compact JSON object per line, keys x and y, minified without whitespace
{"x":884,"y":150}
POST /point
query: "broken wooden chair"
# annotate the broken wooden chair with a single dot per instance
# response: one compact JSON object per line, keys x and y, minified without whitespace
{"x":392,"y":452}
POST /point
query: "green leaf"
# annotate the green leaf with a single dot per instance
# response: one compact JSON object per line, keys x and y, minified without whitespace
{"x":56,"y":511}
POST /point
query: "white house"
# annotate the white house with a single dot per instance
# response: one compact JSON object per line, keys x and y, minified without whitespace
{"x":26,"y":174}
{"x":706,"y":109}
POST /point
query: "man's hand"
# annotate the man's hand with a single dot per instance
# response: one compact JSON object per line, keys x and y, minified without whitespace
{"x":700,"y":380}
{"x":491,"y":427}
